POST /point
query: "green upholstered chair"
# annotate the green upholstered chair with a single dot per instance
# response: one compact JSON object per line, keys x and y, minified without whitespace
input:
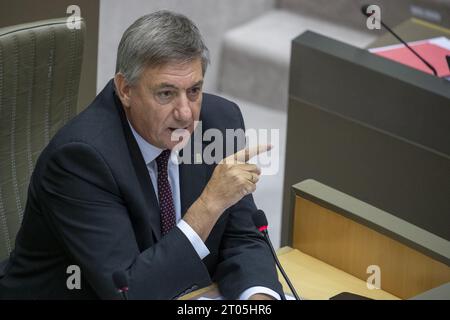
{"x":40,"y":65}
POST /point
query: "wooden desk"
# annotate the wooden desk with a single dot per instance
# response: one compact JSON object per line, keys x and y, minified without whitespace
{"x":317,"y":280}
{"x":351,"y":235}
{"x":313,"y":279}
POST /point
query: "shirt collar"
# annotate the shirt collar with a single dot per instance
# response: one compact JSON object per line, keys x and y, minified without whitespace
{"x":149,"y":151}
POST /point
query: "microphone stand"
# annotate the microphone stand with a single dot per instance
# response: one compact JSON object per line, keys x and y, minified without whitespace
{"x":411,"y":49}
{"x":269,"y":243}
{"x":365,"y":13}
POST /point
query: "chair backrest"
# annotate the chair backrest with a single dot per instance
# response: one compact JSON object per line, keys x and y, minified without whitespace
{"x":40,"y":66}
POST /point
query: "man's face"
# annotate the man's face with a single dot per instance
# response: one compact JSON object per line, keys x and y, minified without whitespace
{"x":164,"y":99}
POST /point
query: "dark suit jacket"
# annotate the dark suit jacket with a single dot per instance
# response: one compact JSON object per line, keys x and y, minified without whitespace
{"x":91,"y":203}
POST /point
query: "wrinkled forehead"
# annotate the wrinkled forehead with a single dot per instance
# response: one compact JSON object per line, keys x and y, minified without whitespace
{"x":179,"y":75}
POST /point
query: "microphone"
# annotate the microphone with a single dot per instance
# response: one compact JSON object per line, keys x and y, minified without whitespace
{"x":260,"y":220}
{"x":364,"y":12}
{"x":121,"y":283}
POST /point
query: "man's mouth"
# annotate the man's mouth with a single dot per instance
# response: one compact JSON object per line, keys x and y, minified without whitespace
{"x":172,"y":129}
{"x":178,"y":134}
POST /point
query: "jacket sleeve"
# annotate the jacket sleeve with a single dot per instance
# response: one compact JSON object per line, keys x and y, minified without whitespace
{"x":245,"y":259}
{"x":82,"y":203}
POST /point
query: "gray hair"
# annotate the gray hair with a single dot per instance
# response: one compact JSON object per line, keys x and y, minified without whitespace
{"x":157,"y":39}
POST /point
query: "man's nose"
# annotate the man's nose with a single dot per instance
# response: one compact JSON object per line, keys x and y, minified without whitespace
{"x":183,"y":111}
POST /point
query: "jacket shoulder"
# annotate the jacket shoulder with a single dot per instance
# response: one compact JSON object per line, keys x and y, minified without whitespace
{"x":218,"y":112}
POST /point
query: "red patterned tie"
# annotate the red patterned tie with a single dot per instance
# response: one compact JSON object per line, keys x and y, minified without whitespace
{"x":165,"y":194}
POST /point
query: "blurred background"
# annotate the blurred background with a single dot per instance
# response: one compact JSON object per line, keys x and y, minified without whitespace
{"x":249,"y":43}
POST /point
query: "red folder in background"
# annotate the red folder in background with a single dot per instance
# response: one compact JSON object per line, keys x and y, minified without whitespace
{"x":432,"y":50}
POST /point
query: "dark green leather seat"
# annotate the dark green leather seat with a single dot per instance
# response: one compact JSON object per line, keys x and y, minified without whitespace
{"x":40,"y":65}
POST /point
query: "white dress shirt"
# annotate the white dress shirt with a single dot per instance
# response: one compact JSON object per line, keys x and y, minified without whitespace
{"x":150,"y":153}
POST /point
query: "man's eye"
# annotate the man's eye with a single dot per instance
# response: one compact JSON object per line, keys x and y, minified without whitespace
{"x":194,"y":92}
{"x":165,"y":94}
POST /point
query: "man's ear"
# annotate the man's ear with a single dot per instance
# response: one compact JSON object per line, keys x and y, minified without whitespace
{"x":123,"y":89}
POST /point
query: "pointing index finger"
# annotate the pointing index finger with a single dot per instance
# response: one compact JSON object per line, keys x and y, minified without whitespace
{"x":246,"y":154}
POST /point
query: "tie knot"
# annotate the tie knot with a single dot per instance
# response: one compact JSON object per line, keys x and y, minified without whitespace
{"x":162,"y":159}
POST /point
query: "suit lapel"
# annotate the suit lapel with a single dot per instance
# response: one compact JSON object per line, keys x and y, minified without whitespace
{"x":142,"y":174}
{"x":193,"y":178}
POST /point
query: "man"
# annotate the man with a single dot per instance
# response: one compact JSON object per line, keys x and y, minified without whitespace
{"x":105,"y":196}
